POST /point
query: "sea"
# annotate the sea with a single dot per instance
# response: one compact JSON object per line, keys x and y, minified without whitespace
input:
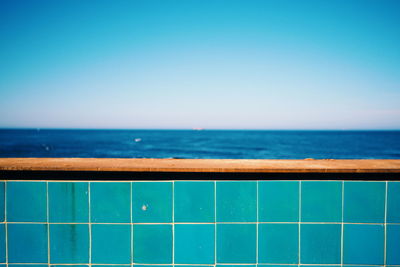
{"x":197,"y":144}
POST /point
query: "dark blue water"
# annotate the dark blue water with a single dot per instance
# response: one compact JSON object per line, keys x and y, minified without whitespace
{"x":201,"y":144}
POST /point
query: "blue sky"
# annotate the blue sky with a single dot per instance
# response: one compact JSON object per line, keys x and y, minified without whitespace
{"x":213,"y":64}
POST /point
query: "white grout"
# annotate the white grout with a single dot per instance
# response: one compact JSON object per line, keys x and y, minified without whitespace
{"x":342,"y":229}
{"x":47,"y":223}
{"x":215,"y":223}
{"x":299,"y":223}
{"x":131,"y":222}
{"x":191,"y":264}
{"x":90,"y":226}
{"x":5,"y":220}
{"x":385,"y":225}
{"x":173,"y":222}
{"x":257,"y":206}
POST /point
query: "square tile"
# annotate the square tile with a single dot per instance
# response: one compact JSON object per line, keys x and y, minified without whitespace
{"x":194,"y":201}
{"x":111,"y":243}
{"x":2,"y":201}
{"x":393,"y":245}
{"x":278,"y":243}
{"x":321,"y":201}
{"x":33,"y":249}
{"x":110,"y":202}
{"x":278,"y":201}
{"x":194,"y":243}
{"x":320,"y":243}
{"x":152,"y":201}
{"x":2,"y":243}
{"x":68,"y":202}
{"x":69,"y":243}
{"x":363,"y":244}
{"x":26,"y":202}
{"x":237,"y":201}
{"x":364,"y":202}
{"x":236,"y":243}
{"x":152,"y":243}
{"x":393,"y":202}
{"x":30,"y":265}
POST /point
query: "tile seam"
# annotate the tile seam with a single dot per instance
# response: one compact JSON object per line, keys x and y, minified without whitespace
{"x":299,"y":224}
{"x":385,"y":226}
{"x":342,"y":229}
{"x":48,"y":225}
{"x":173,"y":222}
{"x":131,"y":218}
{"x":5,"y":220}
{"x":90,"y":225}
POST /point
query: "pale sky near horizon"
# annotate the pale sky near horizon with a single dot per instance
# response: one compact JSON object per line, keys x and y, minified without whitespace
{"x":213,"y":64}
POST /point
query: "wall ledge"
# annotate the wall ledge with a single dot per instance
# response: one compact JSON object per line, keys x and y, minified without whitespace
{"x":200,"y":165}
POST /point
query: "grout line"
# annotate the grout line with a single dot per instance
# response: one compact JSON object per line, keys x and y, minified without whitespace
{"x":5,"y":220}
{"x":131,"y":213}
{"x":342,"y":229}
{"x":48,"y":225}
{"x":215,"y":223}
{"x":190,"y":264}
{"x":90,"y":226}
{"x":385,"y":225}
{"x":170,"y":223}
{"x":257,"y":206}
{"x":173,"y":223}
{"x":299,"y":223}
{"x":195,"y":180}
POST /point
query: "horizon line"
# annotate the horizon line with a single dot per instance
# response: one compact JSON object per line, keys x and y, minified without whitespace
{"x":193,"y":129}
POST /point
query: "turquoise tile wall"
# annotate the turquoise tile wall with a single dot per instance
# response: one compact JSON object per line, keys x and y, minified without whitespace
{"x":199,"y":223}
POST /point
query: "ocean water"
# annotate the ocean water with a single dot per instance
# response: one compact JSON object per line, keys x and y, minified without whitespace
{"x":217,"y":144}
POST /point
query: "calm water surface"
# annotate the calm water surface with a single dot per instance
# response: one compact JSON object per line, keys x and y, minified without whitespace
{"x":200,"y":144}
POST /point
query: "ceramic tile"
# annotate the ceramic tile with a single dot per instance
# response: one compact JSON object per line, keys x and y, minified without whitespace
{"x":393,"y":202}
{"x":321,"y":201}
{"x":194,"y":243}
{"x":194,"y":238}
{"x":111,"y":243}
{"x":278,"y":243}
{"x":110,"y":202}
{"x":363,"y":244}
{"x":2,"y":243}
{"x":364,"y":202}
{"x":152,"y":202}
{"x":26,"y":202}
{"x":2,"y":201}
{"x":27,"y":243}
{"x":194,"y":201}
{"x":393,"y":244}
{"x":68,"y":202}
{"x":320,"y":243}
{"x":152,"y":244}
{"x":236,"y":243}
{"x":278,"y":201}
{"x":236,"y":201}
{"x":69,"y":243}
